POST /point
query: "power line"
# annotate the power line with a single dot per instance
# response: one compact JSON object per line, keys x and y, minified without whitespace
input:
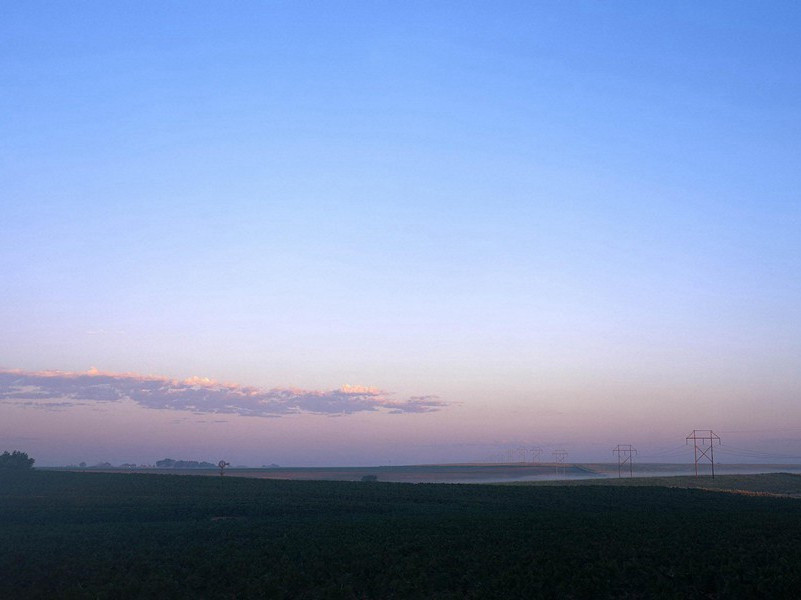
{"x":559,"y":457}
{"x":703,"y":443}
{"x":731,"y":450}
{"x":624,"y":455}
{"x":670,"y":453}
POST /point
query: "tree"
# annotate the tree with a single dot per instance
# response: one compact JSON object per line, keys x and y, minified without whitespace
{"x":15,"y":460}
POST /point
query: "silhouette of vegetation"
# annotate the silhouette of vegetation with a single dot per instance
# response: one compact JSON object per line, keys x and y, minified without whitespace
{"x":16,"y":460}
{"x":369,"y":478}
{"x":109,"y":535}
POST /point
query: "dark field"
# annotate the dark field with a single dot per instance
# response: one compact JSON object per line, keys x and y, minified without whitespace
{"x":780,"y":484}
{"x":100,"y":535}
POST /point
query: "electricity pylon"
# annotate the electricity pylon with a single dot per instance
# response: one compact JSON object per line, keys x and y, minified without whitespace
{"x":704,"y":443}
{"x":536,"y":451}
{"x":624,"y":455}
{"x":559,"y":457}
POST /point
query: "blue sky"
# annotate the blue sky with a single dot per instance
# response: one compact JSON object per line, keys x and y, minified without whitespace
{"x":573,"y":223}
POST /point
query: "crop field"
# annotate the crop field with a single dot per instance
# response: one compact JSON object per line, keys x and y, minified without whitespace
{"x":780,"y":484}
{"x":106,"y":535}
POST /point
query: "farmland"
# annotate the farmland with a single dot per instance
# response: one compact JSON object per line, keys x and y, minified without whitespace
{"x":779,"y":484}
{"x":456,"y":473}
{"x":107,"y":535}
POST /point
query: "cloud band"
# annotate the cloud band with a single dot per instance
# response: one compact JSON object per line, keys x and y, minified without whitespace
{"x":57,"y":390}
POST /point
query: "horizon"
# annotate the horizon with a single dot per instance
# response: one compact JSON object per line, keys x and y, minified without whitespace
{"x":425,"y":233}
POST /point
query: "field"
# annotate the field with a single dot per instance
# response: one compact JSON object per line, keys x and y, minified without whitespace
{"x":464,"y":473}
{"x":779,"y":484}
{"x":458,"y":473}
{"x":105,"y":535}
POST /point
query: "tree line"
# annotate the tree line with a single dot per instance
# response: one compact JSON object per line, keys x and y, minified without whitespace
{"x":16,"y":460}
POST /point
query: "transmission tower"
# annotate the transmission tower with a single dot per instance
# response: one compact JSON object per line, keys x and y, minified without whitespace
{"x":536,"y":452}
{"x":625,"y":454}
{"x":704,"y":443}
{"x":559,"y":457}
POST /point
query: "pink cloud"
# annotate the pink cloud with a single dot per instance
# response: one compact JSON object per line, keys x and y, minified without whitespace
{"x":55,"y":390}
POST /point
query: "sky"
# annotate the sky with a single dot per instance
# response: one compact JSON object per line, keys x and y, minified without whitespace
{"x":360,"y":233}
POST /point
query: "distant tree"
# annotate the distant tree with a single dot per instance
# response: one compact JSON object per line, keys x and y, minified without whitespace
{"x":369,"y":477}
{"x":169,"y":463}
{"x":82,"y":465}
{"x":15,"y":460}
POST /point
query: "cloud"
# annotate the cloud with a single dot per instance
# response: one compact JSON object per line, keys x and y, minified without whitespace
{"x":54,"y":390}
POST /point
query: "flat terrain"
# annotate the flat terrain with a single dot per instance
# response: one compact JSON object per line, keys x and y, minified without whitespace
{"x":101,"y":535}
{"x":464,"y":473}
{"x":457,"y":473}
{"x":780,"y":484}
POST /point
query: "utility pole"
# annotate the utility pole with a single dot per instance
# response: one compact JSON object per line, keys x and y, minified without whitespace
{"x":559,"y":457}
{"x":703,"y":443}
{"x":624,"y":455}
